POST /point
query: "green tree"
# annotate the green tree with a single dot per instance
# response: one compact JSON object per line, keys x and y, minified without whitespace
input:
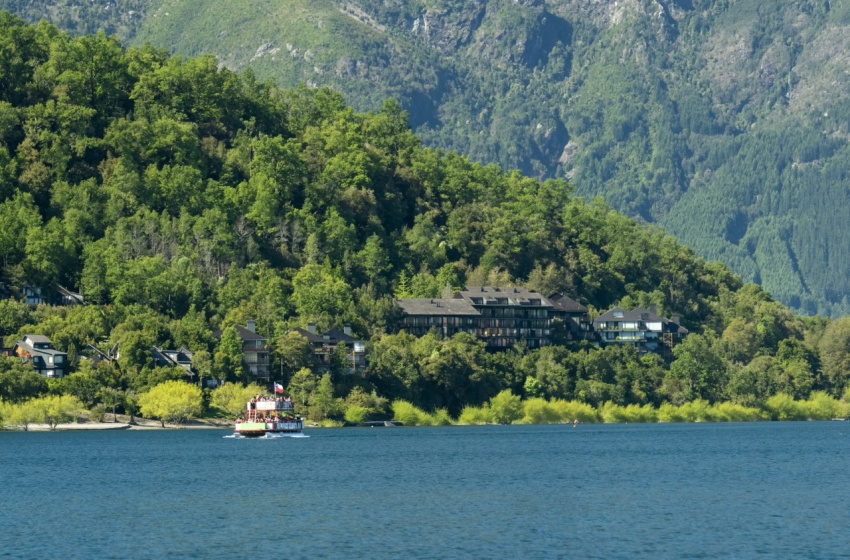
{"x":173,"y":402}
{"x":293,"y":351}
{"x":700,"y":368}
{"x":302,"y":387}
{"x":317,"y":291}
{"x":505,"y":408}
{"x":111,"y":398}
{"x":232,"y":398}
{"x":202,"y":365}
{"x":325,"y":405}
{"x":834,"y":348}
{"x":227,"y":361}
{"x":21,"y":414}
{"x":57,"y":409}
{"x":84,"y":387}
{"x":18,"y":381}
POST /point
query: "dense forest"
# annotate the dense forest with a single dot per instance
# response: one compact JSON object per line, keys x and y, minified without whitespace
{"x":180,"y":198}
{"x":722,"y":120}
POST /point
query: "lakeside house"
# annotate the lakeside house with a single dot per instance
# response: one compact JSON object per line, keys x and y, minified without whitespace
{"x":500,"y":316}
{"x":569,"y":318}
{"x":181,"y":358}
{"x":255,"y":349}
{"x":325,"y":345}
{"x":504,"y":316}
{"x":37,"y":350}
{"x":641,"y":328}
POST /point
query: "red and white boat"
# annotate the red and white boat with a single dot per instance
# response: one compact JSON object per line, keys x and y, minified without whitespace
{"x":269,"y":416}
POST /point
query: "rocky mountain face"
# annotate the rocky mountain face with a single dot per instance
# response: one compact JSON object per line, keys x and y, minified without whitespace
{"x":725,"y":121}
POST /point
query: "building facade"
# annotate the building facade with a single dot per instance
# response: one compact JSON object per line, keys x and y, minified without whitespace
{"x":500,"y":316}
{"x":640,"y":327}
{"x":170,"y":358}
{"x":330,"y":343}
{"x":38,"y":351}
{"x":255,"y":350}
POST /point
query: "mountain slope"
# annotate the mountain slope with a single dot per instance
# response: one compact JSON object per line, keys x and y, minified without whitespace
{"x":723,"y":120}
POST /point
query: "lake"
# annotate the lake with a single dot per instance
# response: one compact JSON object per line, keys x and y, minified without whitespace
{"x":753,"y":490}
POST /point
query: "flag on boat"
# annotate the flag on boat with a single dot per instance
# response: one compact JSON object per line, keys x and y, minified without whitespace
{"x":278,"y":388}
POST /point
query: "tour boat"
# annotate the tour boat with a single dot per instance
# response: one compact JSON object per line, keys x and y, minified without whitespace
{"x":269,"y":416}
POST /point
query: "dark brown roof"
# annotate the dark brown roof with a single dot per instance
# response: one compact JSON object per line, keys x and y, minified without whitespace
{"x":639,"y":314}
{"x":560,"y":302}
{"x":424,"y":306}
{"x":333,"y":335}
{"x":243,"y":333}
{"x":488,"y":295}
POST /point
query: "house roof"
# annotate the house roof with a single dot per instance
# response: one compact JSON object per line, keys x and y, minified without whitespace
{"x":27,"y":344}
{"x":639,"y":314}
{"x":488,"y":295}
{"x":243,"y":333}
{"x":560,"y":302}
{"x":182,"y":356}
{"x":36,"y":338}
{"x":333,"y":335}
{"x":425,"y":306}
{"x":72,"y":296}
{"x":340,"y":336}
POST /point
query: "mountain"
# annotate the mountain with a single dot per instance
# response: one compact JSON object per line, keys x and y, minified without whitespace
{"x":725,"y":121}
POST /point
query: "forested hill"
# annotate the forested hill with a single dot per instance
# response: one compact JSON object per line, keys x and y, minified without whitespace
{"x":180,"y":198}
{"x":723,"y":120}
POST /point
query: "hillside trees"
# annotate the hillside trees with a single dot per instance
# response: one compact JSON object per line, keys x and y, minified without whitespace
{"x":182,"y":198}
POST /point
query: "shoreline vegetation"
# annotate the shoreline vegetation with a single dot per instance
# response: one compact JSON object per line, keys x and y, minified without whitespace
{"x":507,"y":408}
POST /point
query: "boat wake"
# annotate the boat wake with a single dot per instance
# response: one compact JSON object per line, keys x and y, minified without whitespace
{"x":278,"y":436}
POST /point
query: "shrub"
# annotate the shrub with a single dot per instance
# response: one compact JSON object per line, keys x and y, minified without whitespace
{"x":568,"y":411}
{"x":98,"y":412}
{"x":505,"y":407}
{"x":441,"y":417}
{"x":820,"y":406}
{"x":538,"y":410}
{"x":695,"y":411}
{"x":356,"y":414}
{"x":410,"y":415}
{"x":474,"y":415}
{"x":783,"y":407}
{"x":631,"y":414}
{"x":734,"y":412}
{"x":670,"y":413}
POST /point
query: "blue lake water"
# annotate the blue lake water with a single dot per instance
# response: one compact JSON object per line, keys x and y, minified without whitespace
{"x":759,"y":490}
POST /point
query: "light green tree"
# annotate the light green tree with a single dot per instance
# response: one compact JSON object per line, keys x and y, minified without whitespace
{"x":173,"y":402}
{"x":231,"y":398}
{"x":505,"y":407}
{"x":20,"y":415}
{"x":302,"y":386}
{"x":57,"y":409}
